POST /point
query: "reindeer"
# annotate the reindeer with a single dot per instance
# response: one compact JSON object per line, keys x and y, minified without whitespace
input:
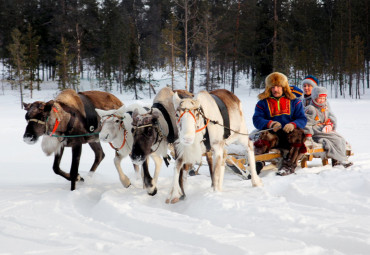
{"x":203,"y":118}
{"x":117,"y":131}
{"x":68,"y":121}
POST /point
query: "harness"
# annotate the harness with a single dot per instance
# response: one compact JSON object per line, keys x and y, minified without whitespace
{"x":195,"y":120}
{"x":44,"y":122}
{"x":171,"y":132}
{"x":121,"y":126}
{"x":225,"y":115}
{"x":91,"y":115}
{"x":56,"y":124}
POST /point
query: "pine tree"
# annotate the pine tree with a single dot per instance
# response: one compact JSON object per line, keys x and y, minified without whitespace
{"x":17,"y":52}
{"x":31,"y":55}
{"x":171,"y":46}
{"x":67,"y":78}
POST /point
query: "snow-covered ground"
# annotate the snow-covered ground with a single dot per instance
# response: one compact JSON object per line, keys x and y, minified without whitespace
{"x":319,"y":210}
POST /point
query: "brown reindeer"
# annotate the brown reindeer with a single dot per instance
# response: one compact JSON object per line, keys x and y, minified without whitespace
{"x":68,"y":121}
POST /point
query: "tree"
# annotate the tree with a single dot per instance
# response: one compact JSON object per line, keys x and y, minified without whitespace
{"x":185,"y":6}
{"x":17,"y":52}
{"x":171,"y":46}
{"x":67,"y":78}
{"x":31,"y":55}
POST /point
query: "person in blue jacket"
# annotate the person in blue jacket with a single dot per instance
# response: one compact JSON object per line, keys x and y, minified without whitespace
{"x":279,"y":109}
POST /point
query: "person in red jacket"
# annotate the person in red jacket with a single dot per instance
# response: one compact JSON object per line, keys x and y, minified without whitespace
{"x":279,"y":109}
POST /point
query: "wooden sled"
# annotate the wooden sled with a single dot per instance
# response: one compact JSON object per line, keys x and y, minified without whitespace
{"x":237,"y":163}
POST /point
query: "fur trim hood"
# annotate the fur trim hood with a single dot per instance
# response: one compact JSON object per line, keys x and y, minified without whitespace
{"x":276,"y":79}
{"x":318,"y":91}
{"x":315,"y":94}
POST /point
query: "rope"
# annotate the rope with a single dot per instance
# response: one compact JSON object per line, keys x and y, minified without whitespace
{"x":217,"y":123}
{"x":71,"y":136}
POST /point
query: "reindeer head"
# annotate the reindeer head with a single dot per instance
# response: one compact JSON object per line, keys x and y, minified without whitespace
{"x":146,"y":133}
{"x":187,"y":115}
{"x":36,"y":116}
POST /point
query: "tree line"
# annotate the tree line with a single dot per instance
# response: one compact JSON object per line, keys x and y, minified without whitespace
{"x":117,"y":39}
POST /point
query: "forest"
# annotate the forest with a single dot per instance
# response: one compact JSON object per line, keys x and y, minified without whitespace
{"x":122,"y":42}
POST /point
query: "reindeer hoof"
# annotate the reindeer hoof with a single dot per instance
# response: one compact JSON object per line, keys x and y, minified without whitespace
{"x":80,"y":179}
{"x":193,"y":173}
{"x":175,"y":200}
{"x":153,"y":193}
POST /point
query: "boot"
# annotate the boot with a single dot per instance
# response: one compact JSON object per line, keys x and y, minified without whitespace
{"x":286,"y":169}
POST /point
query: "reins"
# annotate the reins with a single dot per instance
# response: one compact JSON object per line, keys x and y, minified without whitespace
{"x":213,"y":122}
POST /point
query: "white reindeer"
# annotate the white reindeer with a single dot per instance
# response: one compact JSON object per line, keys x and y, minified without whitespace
{"x":116,"y":130}
{"x":193,"y":117}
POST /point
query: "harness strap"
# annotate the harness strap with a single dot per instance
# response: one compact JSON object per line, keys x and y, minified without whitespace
{"x":91,"y":115}
{"x":206,"y":140}
{"x":171,"y":132}
{"x":56,"y":122}
{"x":225,"y":115}
{"x":37,"y":121}
{"x":123,"y":143}
{"x":195,"y":120}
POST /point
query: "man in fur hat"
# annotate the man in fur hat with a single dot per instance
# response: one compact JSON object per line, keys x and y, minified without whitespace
{"x":279,"y":109}
{"x":321,"y":126}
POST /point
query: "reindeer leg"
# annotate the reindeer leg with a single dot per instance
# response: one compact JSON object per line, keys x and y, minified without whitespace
{"x":248,"y":144}
{"x":99,"y":155}
{"x":158,"y":164}
{"x":122,"y":177}
{"x":76,"y":154}
{"x":176,"y":192}
{"x":210,"y":164}
{"x":147,"y":180}
{"x":137,"y":171}
{"x":56,"y":165}
{"x":217,"y":151}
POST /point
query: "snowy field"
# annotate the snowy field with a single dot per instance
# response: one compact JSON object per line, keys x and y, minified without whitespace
{"x":319,"y":210}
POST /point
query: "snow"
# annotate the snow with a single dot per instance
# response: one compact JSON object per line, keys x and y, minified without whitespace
{"x":319,"y":210}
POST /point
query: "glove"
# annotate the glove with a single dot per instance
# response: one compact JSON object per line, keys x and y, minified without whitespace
{"x":327,"y":128}
{"x":288,"y":128}
{"x":275,"y":125}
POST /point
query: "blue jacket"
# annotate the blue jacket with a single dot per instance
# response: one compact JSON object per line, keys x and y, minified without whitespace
{"x":282,"y":110}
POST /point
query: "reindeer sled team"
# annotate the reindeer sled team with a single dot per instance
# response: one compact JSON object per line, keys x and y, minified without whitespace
{"x":192,"y":125}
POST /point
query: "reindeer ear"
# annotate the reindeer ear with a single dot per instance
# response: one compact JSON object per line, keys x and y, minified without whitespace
{"x":155,"y":115}
{"x":47,"y":106}
{"x":196,"y":104}
{"x":100,"y":112}
{"x":121,"y":111}
{"x":26,"y":106}
{"x":176,"y":100}
{"x":134,"y":115}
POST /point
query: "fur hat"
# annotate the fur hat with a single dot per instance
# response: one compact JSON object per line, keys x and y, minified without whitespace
{"x":310,"y":79}
{"x":276,"y":79}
